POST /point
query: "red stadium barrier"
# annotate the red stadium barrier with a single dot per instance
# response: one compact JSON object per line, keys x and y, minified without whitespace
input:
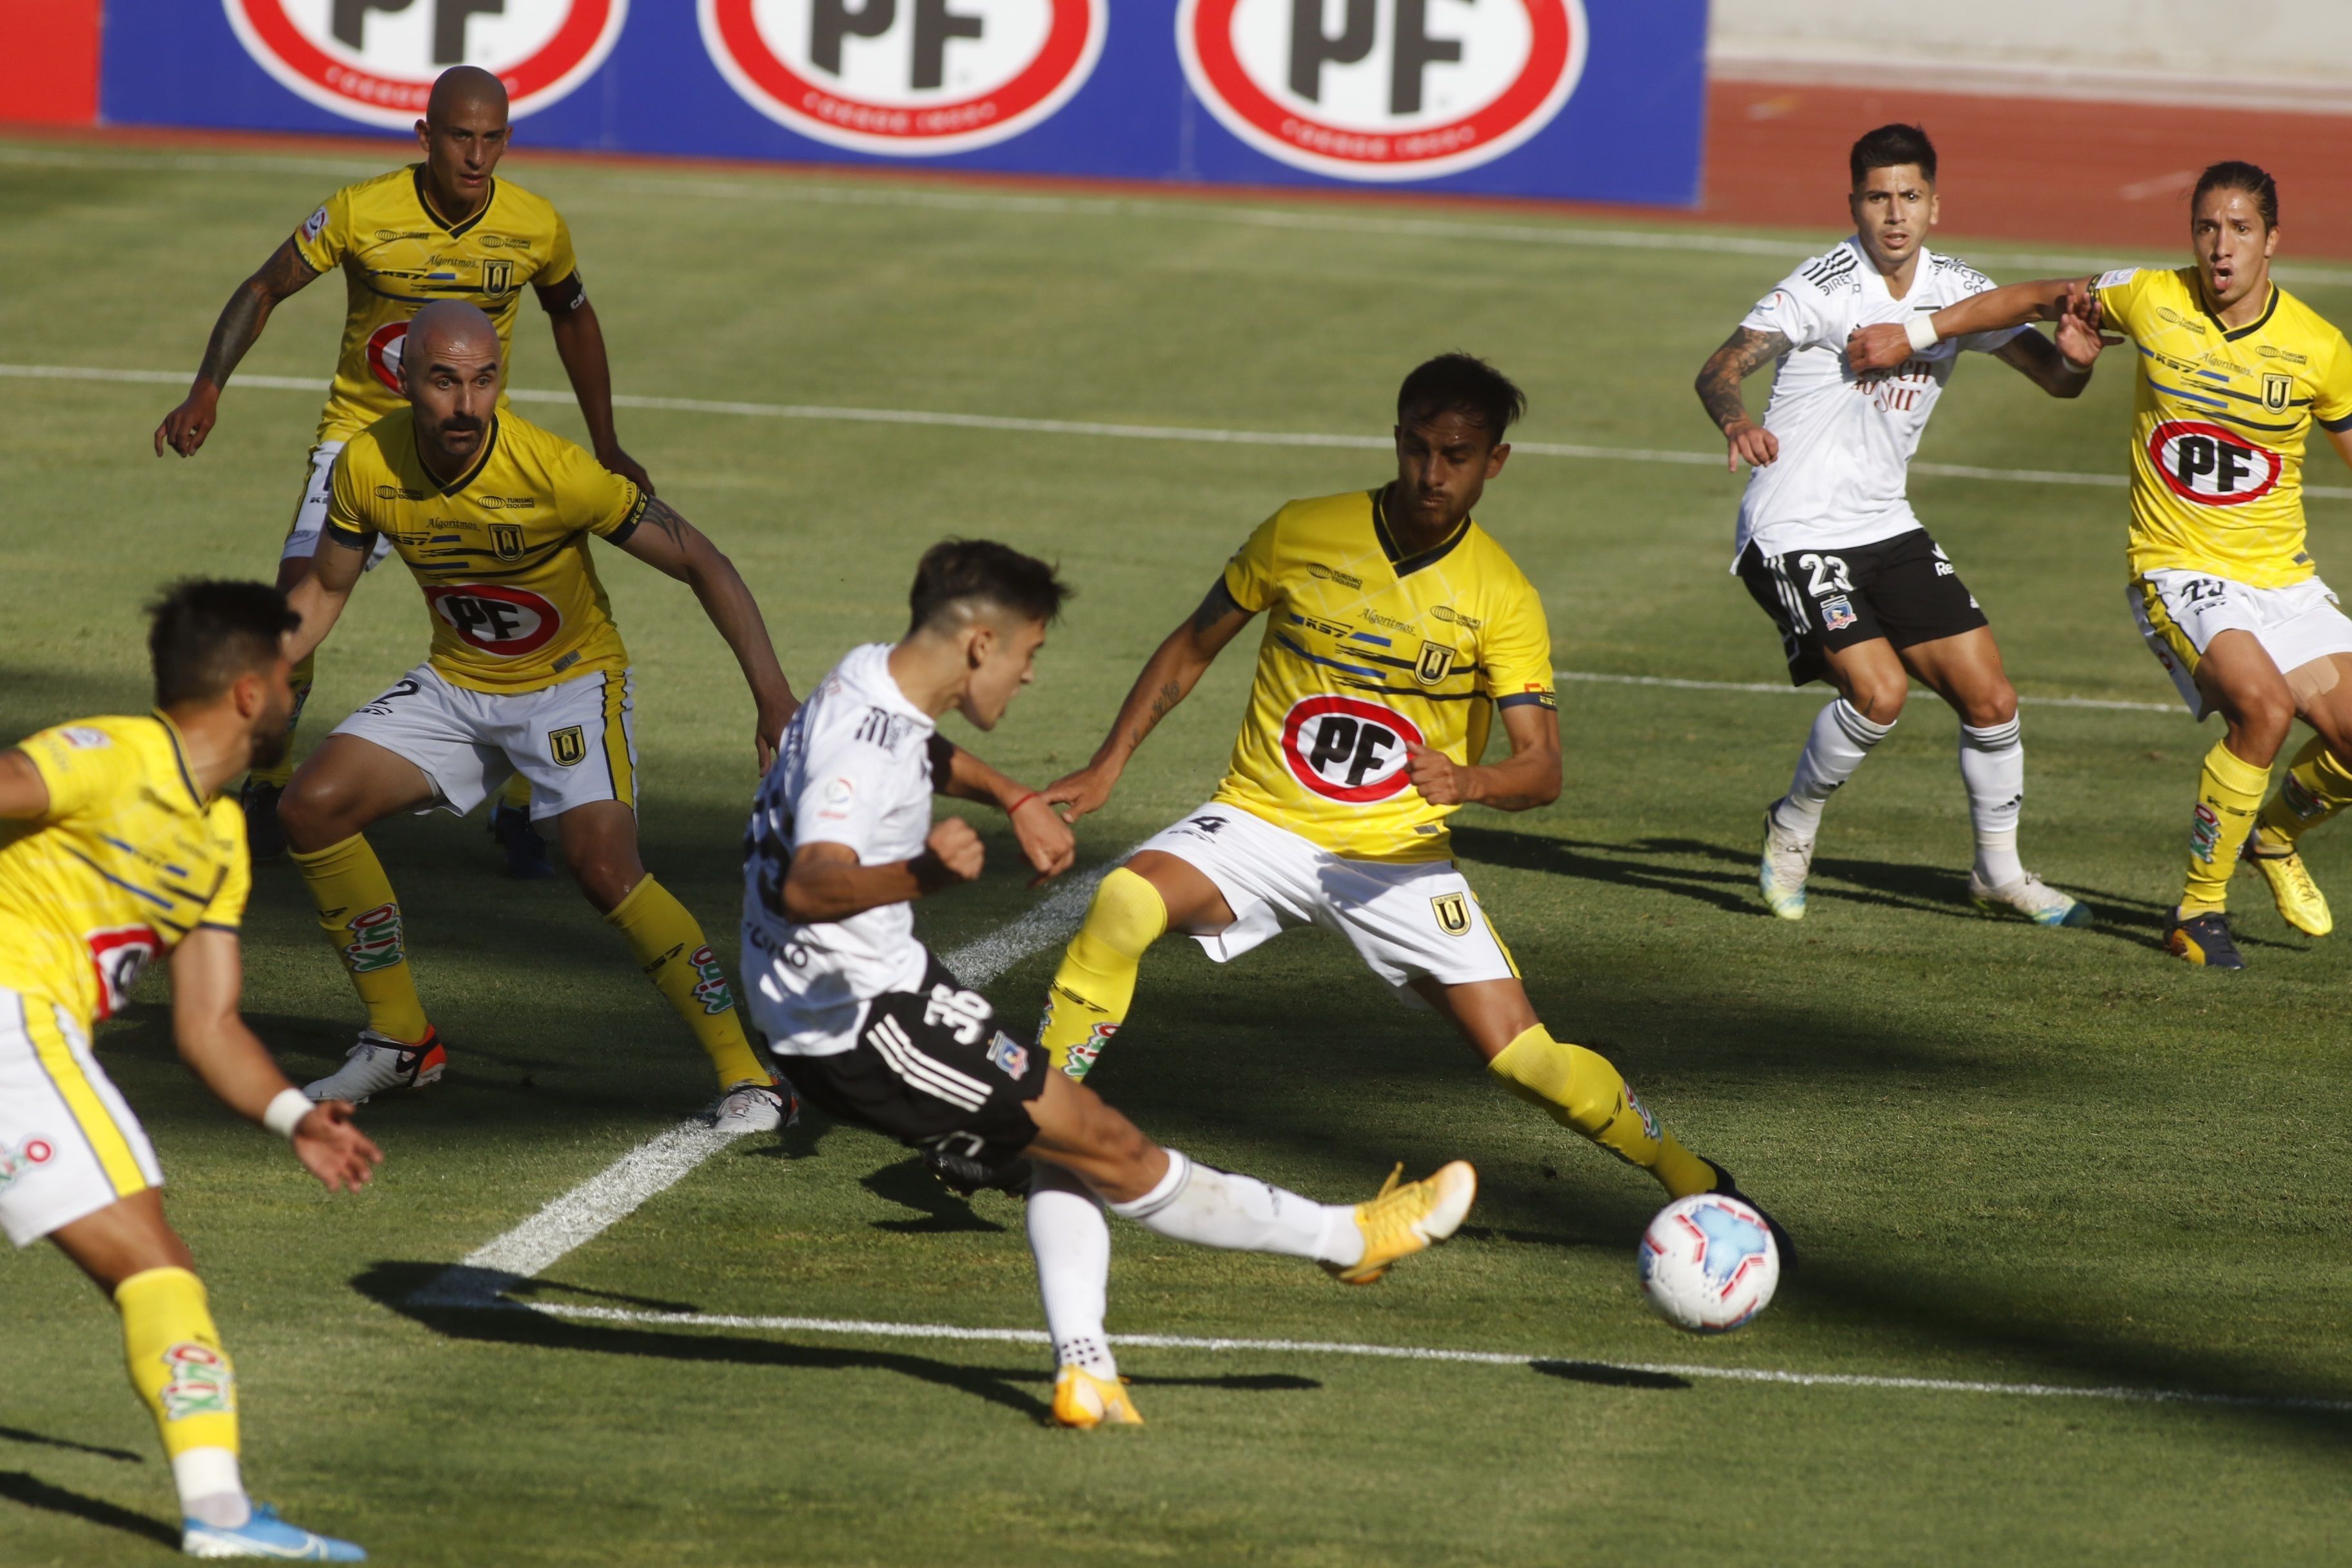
{"x":48,"y":69}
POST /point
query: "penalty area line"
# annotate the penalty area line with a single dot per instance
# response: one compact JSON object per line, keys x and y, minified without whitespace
{"x":1600,"y":678}
{"x":862,"y":1328}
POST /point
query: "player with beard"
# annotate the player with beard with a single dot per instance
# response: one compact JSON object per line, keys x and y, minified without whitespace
{"x":840,"y":844}
{"x":1828,"y":543}
{"x":527,"y":675}
{"x":116,"y":847}
{"x":2233,"y":373}
{"x":445,"y":228}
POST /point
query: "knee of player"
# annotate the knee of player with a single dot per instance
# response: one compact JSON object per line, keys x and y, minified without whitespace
{"x":1879,"y":699}
{"x":1128,"y":914}
{"x":604,"y":877}
{"x":316,"y":812}
{"x":1995,"y":705}
{"x":2265,"y":715}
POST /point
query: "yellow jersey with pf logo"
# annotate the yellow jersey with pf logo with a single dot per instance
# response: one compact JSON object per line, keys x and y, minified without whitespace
{"x":1366,"y":650}
{"x":128,"y":859}
{"x":398,"y":256}
{"x":501,"y":553}
{"x":2219,"y":422}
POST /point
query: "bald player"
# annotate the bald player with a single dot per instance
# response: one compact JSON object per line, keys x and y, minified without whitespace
{"x":447,"y":228}
{"x":527,"y":675}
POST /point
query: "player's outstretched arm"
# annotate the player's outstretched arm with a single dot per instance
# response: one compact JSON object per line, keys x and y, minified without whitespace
{"x":2061,"y":369}
{"x":1888,"y":344}
{"x":24,"y":794}
{"x":320,"y":597}
{"x":826,"y":881}
{"x":580,"y":344}
{"x":1744,"y":353}
{"x":1045,"y":837}
{"x":669,"y":543}
{"x":1168,"y":678}
{"x":241,"y":320}
{"x":207,"y":973}
{"x":1527,"y":778}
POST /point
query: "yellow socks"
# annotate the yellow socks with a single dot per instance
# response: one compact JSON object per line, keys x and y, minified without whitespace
{"x":2318,"y":785}
{"x":1095,"y":985}
{"x":185,"y":1379}
{"x":277,"y":773}
{"x":2228,"y":793}
{"x":1582,"y":1092}
{"x":361,"y":919}
{"x":516,"y":796}
{"x":669,"y":946}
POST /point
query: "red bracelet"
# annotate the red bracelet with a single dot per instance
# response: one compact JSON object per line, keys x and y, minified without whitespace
{"x":1024,"y":800}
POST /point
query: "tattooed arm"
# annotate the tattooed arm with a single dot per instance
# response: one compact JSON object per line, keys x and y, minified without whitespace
{"x":1742,"y":354}
{"x":1168,"y":678}
{"x":241,"y":320}
{"x":669,"y":543}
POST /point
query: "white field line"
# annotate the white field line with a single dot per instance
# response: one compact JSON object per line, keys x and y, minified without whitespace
{"x":1598,"y":677}
{"x":859,"y":1329}
{"x":925,"y":416}
{"x":576,"y":1217}
{"x":787,"y":190}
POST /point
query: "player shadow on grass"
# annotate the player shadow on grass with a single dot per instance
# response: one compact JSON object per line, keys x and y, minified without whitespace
{"x":121,"y":1456}
{"x":395,"y":1286}
{"x":19,"y":1486}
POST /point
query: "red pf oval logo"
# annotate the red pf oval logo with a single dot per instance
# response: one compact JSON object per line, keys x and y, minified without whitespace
{"x":374,"y":60}
{"x":1345,"y":749}
{"x":508,"y":622}
{"x":2212,"y":466}
{"x":383,"y":353}
{"x":120,"y":954}
{"x":906,"y":78}
{"x":1382,"y":90}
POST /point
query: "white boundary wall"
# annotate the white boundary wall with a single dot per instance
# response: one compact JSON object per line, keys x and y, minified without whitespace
{"x":2291,"y":55}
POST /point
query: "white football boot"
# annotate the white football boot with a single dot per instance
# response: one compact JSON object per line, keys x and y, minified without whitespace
{"x":754,"y":1107}
{"x":1788,"y":861}
{"x":378,"y":1063}
{"x":2032,"y":897}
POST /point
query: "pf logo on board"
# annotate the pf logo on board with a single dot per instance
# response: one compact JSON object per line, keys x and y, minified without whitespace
{"x":906,"y":78}
{"x":1382,"y":90}
{"x":374,"y":60}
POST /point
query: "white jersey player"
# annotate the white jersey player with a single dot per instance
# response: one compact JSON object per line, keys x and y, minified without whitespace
{"x":1828,"y":543}
{"x":841,"y":842}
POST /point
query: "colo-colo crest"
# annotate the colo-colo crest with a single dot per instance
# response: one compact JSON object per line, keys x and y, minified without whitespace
{"x":1382,"y":90}
{"x":374,"y":60}
{"x":906,"y":78}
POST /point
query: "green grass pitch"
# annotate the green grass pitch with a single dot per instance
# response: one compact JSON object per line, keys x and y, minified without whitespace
{"x":2011,"y":1155}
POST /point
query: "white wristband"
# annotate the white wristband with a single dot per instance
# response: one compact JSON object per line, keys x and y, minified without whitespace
{"x":1921,"y":330}
{"x":287,"y":1111}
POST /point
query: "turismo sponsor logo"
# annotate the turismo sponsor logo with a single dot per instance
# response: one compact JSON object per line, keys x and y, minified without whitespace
{"x":509,"y":621}
{"x":2212,"y":466}
{"x":906,"y":78}
{"x":32,"y":1153}
{"x":374,"y":60}
{"x":1345,"y":749}
{"x":1382,"y":90}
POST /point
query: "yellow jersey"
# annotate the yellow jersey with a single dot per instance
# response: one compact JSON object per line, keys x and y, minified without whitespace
{"x":398,"y":256}
{"x":501,"y":553}
{"x":129,"y":858}
{"x":1367,"y":649}
{"x":2218,"y":425}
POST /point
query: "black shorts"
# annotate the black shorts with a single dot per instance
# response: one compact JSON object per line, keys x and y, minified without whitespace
{"x":1903,"y":589}
{"x":931,"y":1069}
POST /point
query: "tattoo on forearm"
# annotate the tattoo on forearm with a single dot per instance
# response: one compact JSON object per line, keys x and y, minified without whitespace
{"x":242,"y":319}
{"x":1742,"y":353}
{"x":1216,"y":606}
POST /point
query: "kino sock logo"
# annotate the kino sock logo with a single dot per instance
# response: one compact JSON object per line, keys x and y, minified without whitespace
{"x":711,"y":982}
{"x":201,"y":1382}
{"x":376,"y":939}
{"x":2204,"y":833}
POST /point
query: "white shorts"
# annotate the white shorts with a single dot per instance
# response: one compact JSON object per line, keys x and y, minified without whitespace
{"x":2181,"y":612}
{"x":576,"y":741}
{"x":1406,"y":922}
{"x":310,"y":512}
{"x":69,"y":1143}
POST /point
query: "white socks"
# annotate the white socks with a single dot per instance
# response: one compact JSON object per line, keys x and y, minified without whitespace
{"x":211,"y":1490}
{"x":1070,"y":1239}
{"x":1241,"y":1214}
{"x":1842,"y":738}
{"x":1993,"y":765}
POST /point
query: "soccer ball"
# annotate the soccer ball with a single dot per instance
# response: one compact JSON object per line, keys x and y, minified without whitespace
{"x":1708,"y":1263}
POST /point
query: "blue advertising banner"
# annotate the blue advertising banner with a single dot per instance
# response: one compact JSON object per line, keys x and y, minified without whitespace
{"x":1594,"y":100}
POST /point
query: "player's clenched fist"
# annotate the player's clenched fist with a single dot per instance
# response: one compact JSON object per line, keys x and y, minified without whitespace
{"x":1880,"y":347}
{"x":1045,"y":837}
{"x":952,"y":853}
{"x":1434,"y":775}
{"x":334,"y":1151}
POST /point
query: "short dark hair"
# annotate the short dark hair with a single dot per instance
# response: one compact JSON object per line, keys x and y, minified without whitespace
{"x":1464,"y":384}
{"x":203,"y":633}
{"x":981,"y":571}
{"x":2236,"y":175}
{"x":1891,"y":147}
